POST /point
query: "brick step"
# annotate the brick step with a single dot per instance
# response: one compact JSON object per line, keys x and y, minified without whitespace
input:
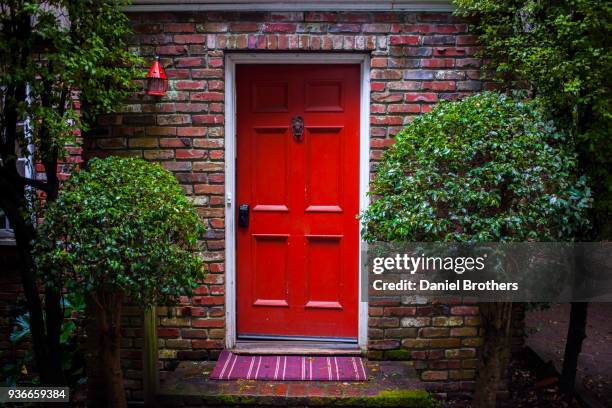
{"x":390,"y":384}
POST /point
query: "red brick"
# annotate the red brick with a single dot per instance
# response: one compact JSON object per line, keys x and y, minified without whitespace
{"x":451,"y":51}
{"x":376,"y":28}
{"x":171,"y":50}
{"x":466,"y":39}
{"x":355,"y":17}
{"x":467,"y":63}
{"x":217,"y":223}
{"x":375,"y":311}
{"x":400,"y":311}
{"x":216,"y":108}
{"x":207,"y":96}
{"x":207,"y":344}
{"x":208,"y":143}
{"x":207,"y":166}
{"x":210,"y":27}
{"x":207,"y":119}
{"x":178,"y":344}
{"x":464,"y":310}
{"x":317,"y":16}
{"x":440,"y":86}
{"x":189,"y":62}
{"x":381,"y":143}
{"x":464,"y":332}
{"x":208,"y":323}
{"x":377,"y":86}
{"x":241,"y":27}
{"x":376,"y":108}
{"x":194,"y":333}
{"x":378,"y":62}
{"x":344,"y":28}
{"x":191,"y":131}
{"x":404,"y":40}
{"x":383,"y":322}
{"x":383,"y":344}
{"x":279,"y":28}
{"x":217,"y":155}
{"x":190,"y":85}
{"x":158,"y":154}
{"x":426,"y":108}
{"x":386,"y":120}
{"x":386,"y":97}
{"x":421,"y":97}
{"x":207,"y":73}
{"x":147,"y":28}
{"x":215,"y":85}
{"x":179,"y":28}
{"x":434,"y":332}
{"x":215,"y":62}
{"x":437,"y":63}
{"x":168,"y":332}
{"x":208,"y":300}
{"x":404,"y":108}
{"x":190,"y":154}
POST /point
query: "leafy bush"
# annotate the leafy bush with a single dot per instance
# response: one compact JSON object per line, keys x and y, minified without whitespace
{"x":121,"y":229}
{"x":123,"y":223}
{"x":487,"y":168}
{"x":561,"y":50}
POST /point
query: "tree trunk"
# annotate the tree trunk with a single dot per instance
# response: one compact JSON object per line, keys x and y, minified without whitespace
{"x":46,"y":356}
{"x":495,"y":352}
{"x":576,"y":333}
{"x":107,"y":304}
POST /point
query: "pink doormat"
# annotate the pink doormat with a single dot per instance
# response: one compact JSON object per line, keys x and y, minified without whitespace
{"x":232,"y":366}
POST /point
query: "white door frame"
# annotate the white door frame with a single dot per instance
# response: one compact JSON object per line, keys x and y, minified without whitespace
{"x":231,"y":60}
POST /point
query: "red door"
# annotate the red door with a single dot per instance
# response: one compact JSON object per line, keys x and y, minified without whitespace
{"x":298,"y":257}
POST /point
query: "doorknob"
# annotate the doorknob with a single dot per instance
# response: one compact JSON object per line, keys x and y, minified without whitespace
{"x":297,"y":125}
{"x":243,"y":215}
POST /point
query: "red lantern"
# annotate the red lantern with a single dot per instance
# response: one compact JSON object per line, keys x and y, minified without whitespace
{"x":157,"y":81}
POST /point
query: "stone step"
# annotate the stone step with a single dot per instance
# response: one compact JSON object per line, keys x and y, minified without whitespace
{"x":390,"y":384}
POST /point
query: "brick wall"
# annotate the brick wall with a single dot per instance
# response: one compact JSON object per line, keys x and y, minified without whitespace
{"x":417,"y":60}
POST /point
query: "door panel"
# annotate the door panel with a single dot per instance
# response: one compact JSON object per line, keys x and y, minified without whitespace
{"x":270,"y":270}
{"x":297,"y":261}
{"x":323,"y":169}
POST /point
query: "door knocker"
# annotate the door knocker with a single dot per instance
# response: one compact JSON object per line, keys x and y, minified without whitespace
{"x":297,"y":124}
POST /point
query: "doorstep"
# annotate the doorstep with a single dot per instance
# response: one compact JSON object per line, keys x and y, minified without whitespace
{"x":296,"y":348}
{"x":390,"y":384}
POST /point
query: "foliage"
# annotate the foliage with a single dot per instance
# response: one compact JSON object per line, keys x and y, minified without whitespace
{"x":562,"y":50}
{"x":15,"y":373}
{"x":51,"y":52}
{"x":487,"y":168}
{"x":67,"y":48}
{"x":124,"y":224}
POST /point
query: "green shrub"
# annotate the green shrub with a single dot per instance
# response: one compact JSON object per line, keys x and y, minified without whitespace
{"x":122,"y":229}
{"x":487,"y":168}
{"x":122,"y":223}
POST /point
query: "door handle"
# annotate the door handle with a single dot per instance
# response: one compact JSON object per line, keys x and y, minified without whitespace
{"x":243,"y":215}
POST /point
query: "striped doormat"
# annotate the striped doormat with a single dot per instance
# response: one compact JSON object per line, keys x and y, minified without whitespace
{"x":232,"y":366}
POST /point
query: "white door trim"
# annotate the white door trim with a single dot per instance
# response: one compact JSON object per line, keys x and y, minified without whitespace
{"x":231,"y":60}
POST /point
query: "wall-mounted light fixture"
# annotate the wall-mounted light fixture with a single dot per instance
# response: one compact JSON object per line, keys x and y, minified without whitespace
{"x":157,"y":81}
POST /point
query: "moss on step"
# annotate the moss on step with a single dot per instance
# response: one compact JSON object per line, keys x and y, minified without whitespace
{"x":395,"y":398}
{"x":399,"y":354}
{"x":384,"y":399}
